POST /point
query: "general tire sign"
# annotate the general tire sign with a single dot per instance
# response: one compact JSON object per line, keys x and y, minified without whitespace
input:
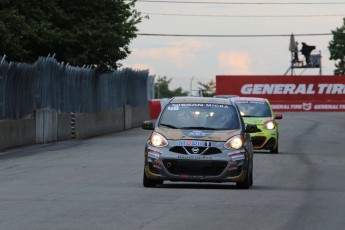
{"x":288,"y":93}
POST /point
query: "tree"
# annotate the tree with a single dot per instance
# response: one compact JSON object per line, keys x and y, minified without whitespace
{"x":162,"y":89}
{"x":337,"y":49}
{"x":80,"y":32}
{"x":208,"y":89}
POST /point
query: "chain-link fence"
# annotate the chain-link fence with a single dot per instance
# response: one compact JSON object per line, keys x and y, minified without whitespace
{"x":48,"y":84}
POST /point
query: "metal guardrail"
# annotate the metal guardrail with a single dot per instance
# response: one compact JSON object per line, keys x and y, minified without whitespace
{"x":48,"y":84}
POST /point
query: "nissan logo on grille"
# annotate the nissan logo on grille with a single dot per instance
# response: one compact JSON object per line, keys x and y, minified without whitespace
{"x":195,"y":150}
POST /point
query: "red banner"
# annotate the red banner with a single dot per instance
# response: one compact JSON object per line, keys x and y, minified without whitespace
{"x":288,"y":93}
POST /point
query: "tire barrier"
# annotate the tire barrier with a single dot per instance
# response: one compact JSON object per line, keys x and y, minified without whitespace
{"x":72,"y":125}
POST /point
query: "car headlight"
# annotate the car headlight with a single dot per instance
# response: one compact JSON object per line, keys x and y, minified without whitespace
{"x":269,"y":125}
{"x":158,"y":140}
{"x":235,"y":142}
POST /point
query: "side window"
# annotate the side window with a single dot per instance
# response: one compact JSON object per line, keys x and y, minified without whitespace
{"x":267,"y":111}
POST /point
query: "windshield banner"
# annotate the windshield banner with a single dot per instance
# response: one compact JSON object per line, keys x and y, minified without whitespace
{"x":288,"y":93}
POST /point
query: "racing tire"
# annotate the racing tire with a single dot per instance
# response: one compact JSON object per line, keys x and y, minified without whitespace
{"x":149,"y":183}
{"x":274,"y":150}
{"x":251,"y":179}
{"x":246,"y":183}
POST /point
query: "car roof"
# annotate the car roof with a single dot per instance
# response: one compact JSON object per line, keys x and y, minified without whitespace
{"x":225,"y":96}
{"x":223,"y":101}
{"x":248,"y":99}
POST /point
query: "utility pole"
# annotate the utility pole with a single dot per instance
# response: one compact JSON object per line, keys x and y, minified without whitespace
{"x":190,"y":87}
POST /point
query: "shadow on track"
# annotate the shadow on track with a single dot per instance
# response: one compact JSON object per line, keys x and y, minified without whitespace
{"x":198,"y":186}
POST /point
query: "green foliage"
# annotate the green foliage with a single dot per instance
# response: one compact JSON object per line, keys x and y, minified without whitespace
{"x":337,"y":49}
{"x":162,"y":89}
{"x":208,"y":89}
{"x":80,"y":32}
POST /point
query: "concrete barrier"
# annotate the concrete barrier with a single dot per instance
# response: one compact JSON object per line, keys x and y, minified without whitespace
{"x":93,"y":124}
{"x":127,"y":116}
{"x":48,"y":126}
{"x":17,"y":133}
{"x":63,"y":127}
{"x":139,"y":114}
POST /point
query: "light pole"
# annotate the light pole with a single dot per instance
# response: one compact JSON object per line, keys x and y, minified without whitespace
{"x":190,"y":87}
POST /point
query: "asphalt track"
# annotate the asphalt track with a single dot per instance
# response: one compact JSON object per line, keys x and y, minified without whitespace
{"x":97,"y":184}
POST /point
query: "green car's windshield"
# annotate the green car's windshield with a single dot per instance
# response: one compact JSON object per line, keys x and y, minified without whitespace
{"x":254,"y":109}
{"x":201,"y":116}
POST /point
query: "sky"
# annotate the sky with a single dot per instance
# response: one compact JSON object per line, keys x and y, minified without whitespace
{"x":188,"y":60}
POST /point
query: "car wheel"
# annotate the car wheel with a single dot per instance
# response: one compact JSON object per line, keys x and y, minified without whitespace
{"x":149,"y":183}
{"x":246,"y":183}
{"x":274,"y":150}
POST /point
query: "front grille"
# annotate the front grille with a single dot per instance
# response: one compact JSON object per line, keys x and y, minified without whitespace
{"x":195,"y":168}
{"x":237,"y":172}
{"x":153,"y":169}
{"x":212,"y":150}
{"x":178,"y":149}
{"x":270,"y":143}
{"x":188,"y":150}
{"x":258,"y":141}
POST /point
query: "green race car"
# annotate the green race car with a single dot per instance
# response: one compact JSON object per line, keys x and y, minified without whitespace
{"x":258,"y":111}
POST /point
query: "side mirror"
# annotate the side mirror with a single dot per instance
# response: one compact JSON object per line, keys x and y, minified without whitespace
{"x":250,"y":128}
{"x":148,"y":125}
{"x":278,"y":116}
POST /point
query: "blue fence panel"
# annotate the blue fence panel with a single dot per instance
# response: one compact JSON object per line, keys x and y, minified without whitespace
{"x":68,"y":89}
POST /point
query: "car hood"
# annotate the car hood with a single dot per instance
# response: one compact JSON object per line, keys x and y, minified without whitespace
{"x":256,"y":120}
{"x":209,"y":135}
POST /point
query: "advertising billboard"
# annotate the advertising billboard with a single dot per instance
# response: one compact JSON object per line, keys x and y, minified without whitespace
{"x":288,"y":93}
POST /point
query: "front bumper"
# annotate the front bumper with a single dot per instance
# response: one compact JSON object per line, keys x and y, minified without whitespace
{"x":267,"y":139}
{"x":168,"y":164}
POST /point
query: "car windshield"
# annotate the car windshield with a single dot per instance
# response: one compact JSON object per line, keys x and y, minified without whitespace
{"x":254,"y":109}
{"x":204,"y":116}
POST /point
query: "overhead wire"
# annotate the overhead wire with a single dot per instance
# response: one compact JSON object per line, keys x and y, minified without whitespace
{"x":247,"y":16}
{"x":239,"y":16}
{"x":244,"y":3}
{"x":232,"y":36}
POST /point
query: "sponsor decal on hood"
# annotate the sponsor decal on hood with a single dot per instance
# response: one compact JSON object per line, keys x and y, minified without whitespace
{"x":256,"y":120}
{"x":197,"y":133}
{"x":214,"y":135}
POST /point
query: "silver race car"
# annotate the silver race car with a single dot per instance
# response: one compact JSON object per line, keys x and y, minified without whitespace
{"x":199,"y":139}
